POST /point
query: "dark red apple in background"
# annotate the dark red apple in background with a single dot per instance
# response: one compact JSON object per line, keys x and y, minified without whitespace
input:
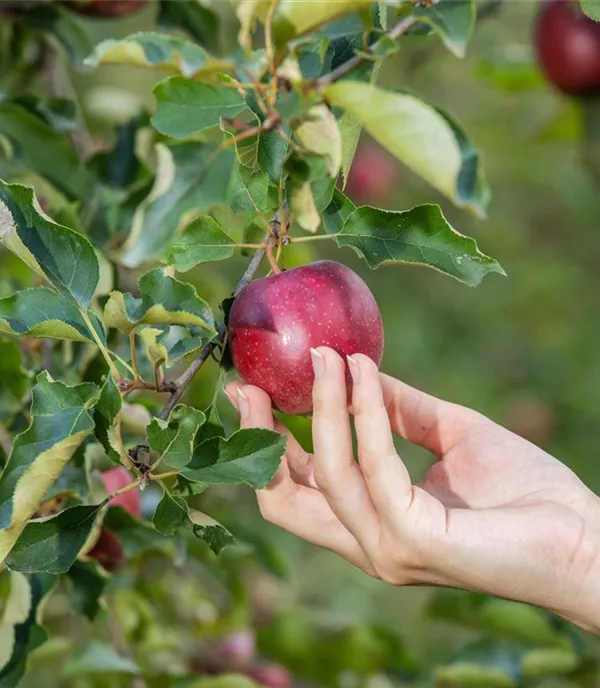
{"x":568,"y":47}
{"x":108,"y":551}
{"x":373,"y":176}
{"x":276,"y":320}
{"x":106,"y":8}
{"x":116,"y":478}
{"x":12,"y":9}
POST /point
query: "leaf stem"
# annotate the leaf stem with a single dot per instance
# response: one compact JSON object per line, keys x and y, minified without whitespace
{"x":271,"y":257}
{"x":318,"y":237}
{"x":103,"y":350}
{"x":162,"y":476}
{"x":133,"y":353}
{"x":123,"y":490}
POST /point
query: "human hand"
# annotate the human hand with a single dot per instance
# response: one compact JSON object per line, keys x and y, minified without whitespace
{"x":494,"y":513}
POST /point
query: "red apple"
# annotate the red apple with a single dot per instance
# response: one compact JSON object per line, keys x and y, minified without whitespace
{"x":116,"y":478}
{"x":106,"y":8}
{"x":275,"y":321}
{"x":568,"y":47}
{"x":270,"y":675}
{"x":108,"y":551}
{"x":373,"y":176}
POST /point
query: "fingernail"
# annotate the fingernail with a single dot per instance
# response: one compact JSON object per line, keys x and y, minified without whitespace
{"x":354,"y":368}
{"x":231,"y":397}
{"x":318,"y":362}
{"x":243,"y":404}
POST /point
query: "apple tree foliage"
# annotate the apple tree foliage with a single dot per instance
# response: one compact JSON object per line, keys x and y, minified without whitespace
{"x":259,"y":105}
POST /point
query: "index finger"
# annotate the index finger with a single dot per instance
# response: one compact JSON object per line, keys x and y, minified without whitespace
{"x":425,"y":420}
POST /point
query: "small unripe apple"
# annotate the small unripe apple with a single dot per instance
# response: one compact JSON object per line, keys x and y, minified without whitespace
{"x":116,"y":478}
{"x":106,"y":8}
{"x":270,"y":676}
{"x":568,"y":47}
{"x":373,"y":176}
{"x":276,"y":320}
{"x":108,"y":551}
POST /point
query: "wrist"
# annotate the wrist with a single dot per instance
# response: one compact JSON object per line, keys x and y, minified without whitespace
{"x":584,"y":592}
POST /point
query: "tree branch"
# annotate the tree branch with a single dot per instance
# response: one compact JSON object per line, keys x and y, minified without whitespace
{"x":402,"y":27}
{"x":186,"y":378}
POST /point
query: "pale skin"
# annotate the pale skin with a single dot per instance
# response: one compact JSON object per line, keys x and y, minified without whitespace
{"x":495,"y":513}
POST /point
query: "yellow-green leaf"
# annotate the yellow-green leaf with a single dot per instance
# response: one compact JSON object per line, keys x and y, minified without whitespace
{"x":419,"y":135}
{"x":158,"y":51}
{"x":60,"y":421}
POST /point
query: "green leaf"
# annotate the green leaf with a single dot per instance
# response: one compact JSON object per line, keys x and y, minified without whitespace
{"x":137,"y":537}
{"x":248,"y":456}
{"x":591,"y":8}
{"x":174,"y":440}
{"x":59,"y":113}
{"x":216,"y":536}
{"x":41,"y":312}
{"x":319,"y":133}
{"x":504,"y":617}
{"x":421,"y":235}
{"x":60,"y":421}
{"x":272,"y":152}
{"x":213,"y":427}
{"x":14,"y":380}
{"x":64,"y":26}
{"x":246,"y":150}
{"x":187,"y":107}
{"x":52,"y":545}
{"x":85,"y":587}
{"x":548,"y":661}
{"x":202,"y":241}
{"x":485,"y":664}
{"x":164,"y":300}
{"x":452,"y":20}
{"x":188,"y":183}
{"x":337,"y":212}
{"x":108,"y":422}
{"x":20,"y":628}
{"x":251,"y":191}
{"x":422,"y":137}
{"x":201,"y":22}
{"x":37,"y":147}
{"x":297,"y":17}
{"x":99,"y":658}
{"x":66,"y":259}
{"x":171,"y":514}
{"x":158,"y":51}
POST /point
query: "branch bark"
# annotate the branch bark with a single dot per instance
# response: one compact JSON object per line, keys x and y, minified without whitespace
{"x":183,"y":382}
{"x":402,"y":27}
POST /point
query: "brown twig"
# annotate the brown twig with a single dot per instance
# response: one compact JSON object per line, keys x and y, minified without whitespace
{"x":183,"y":382}
{"x":402,"y":27}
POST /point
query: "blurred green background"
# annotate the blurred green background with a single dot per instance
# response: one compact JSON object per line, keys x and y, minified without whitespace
{"x":521,"y":349}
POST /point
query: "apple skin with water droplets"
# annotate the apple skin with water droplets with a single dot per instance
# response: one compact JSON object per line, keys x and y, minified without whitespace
{"x":276,"y":320}
{"x":568,"y":47}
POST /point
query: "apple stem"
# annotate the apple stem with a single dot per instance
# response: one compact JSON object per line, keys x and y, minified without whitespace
{"x":271,"y":257}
